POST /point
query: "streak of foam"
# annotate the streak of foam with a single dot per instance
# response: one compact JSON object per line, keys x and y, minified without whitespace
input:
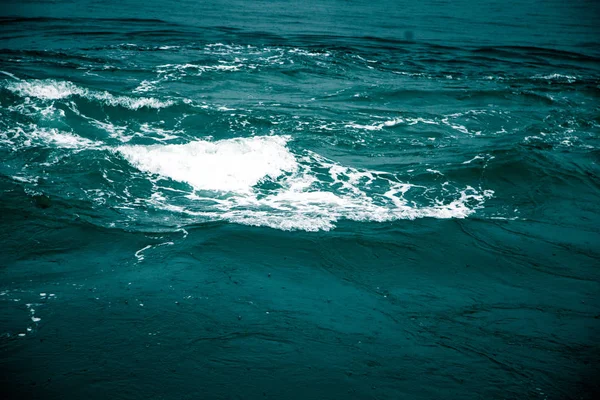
{"x":9,"y":74}
{"x":50,"y":89}
{"x":259,"y":181}
{"x":463,"y":122}
{"x":140,"y":253}
{"x":32,"y":135}
{"x":556,"y":78}
{"x":226,"y":58}
{"x":174,"y":72}
{"x":377,"y":126}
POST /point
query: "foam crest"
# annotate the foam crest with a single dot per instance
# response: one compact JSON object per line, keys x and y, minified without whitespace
{"x":559,"y":78}
{"x":50,"y":89}
{"x":234,"y":165}
{"x":32,"y":135}
{"x":44,"y":89}
{"x":377,"y":126}
{"x":266,"y":184}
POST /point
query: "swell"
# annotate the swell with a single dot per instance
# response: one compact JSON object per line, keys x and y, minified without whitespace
{"x":524,"y":52}
{"x":425,"y":132}
{"x":21,"y":19}
{"x":509,"y":171}
{"x":333,"y":63}
{"x":164,"y":30}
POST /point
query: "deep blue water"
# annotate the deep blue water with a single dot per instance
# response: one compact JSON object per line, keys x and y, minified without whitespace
{"x":299,"y":199}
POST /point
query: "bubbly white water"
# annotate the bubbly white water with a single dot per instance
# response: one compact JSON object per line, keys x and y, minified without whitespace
{"x":49,"y":89}
{"x":256,"y":180}
{"x":26,"y":136}
{"x":234,"y":165}
{"x":311,"y":192}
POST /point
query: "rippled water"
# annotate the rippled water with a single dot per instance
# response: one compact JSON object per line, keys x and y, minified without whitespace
{"x":377,"y":201}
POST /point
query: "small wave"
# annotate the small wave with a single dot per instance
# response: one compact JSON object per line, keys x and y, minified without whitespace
{"x":377,"y":126}
{"x":174,"y":72}
{"x":559,"y":78}
{"x":200,"y":68}
{"x":260,"y":181}
{"x":307,"y":53}
{"x":23,"y":137}
{"x":50,"y":89}
{"x":9,"y":74}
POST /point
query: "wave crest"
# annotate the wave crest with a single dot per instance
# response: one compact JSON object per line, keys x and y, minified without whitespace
{"x":49,"y":89}
{"x":260,"y":181}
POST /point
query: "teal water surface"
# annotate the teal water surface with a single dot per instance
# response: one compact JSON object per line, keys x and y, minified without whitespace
{"x":299,"y":200}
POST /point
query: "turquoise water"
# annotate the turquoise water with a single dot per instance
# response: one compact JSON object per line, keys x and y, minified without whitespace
{"x":299,"y":200}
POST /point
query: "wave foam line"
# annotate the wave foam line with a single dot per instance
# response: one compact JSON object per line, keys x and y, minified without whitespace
{"x":32,"y":135}
{"x":49,"y":89}
{"x":304,"y":192}
{"x":234,"y":165}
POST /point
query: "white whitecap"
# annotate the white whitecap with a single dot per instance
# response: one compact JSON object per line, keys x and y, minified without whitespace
{"x":556,"y":78}
{"x":49,"y":89}
{"x":33,"y":135}
{"x":310,"y":192}
{"x":234,"y":165}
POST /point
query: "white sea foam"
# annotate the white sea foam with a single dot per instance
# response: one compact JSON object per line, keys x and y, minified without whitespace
{"x":44,"y":89}
{"x":146,"y":86}
{"x":175,"y":72}
{"x":556,"y":78}
{"x":234,"y":165}
{"x":377,"y":126}
{"x":477,"y":157}
{"x":408,"y":73}
{"x":307,"y":191}
{"x":9,"y":74}
{"x":114,"y":131}
{"x":233,"y":58}
{"x":64,"y":139}
{"x":32,"y":135}
{"x":50,"y":89}
{"x":197,"y":69}
{"x":456,"y":126}
{"x":25,"y":179}
{"x":303,"y":52}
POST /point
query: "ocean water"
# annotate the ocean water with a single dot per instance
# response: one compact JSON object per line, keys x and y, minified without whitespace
{"x":335,"y":199}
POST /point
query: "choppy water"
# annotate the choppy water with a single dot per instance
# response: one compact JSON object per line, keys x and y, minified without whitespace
{"x":299,"y":200}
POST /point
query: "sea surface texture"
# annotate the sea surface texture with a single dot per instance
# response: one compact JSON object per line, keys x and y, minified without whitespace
{"x":335,"y":199}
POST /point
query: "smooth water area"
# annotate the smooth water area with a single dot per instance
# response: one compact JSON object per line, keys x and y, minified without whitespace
{"x":299,"y":200}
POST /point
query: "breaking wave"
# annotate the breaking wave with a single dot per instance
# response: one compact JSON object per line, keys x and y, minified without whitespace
{"x":50,"y":89}
{"x":260,"y":181}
